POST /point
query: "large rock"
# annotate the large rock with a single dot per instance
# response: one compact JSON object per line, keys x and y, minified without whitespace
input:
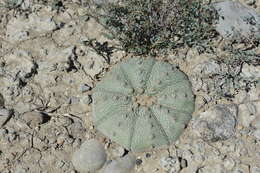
{"x":217,"y":123}
{"x":237,"y":21}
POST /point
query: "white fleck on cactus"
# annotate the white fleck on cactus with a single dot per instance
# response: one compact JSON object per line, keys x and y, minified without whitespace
{"x":143,"y":104}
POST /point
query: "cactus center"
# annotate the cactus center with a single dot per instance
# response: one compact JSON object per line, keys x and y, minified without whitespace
{"x":144,"y":100}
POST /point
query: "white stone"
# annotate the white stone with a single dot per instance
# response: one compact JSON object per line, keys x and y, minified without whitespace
{"x":90,"y":157}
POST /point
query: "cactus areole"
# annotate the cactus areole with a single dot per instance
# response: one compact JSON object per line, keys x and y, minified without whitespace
{"x":143,"y":104}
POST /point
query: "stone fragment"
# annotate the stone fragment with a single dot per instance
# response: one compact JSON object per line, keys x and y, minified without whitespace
{"x":90,"y":157}
{"x":122,"y":165}
{"x":217,"y":123}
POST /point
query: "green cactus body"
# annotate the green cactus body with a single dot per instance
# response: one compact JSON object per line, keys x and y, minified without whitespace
{"x":143,"y":104}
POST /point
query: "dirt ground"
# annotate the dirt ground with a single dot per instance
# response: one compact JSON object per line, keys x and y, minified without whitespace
{"x":46,"y":69}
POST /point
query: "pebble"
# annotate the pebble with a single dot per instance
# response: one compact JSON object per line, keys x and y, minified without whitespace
{"x":216,"y":123}
{"x":90,"y":157}
{"x":34,"y":119}
{"x":125,"y":164}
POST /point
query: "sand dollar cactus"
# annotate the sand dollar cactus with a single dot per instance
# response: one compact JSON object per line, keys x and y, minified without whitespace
{"x":143,"y":104}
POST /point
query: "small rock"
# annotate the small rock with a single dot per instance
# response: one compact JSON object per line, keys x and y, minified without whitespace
{"x":217,"y":123}
{"x":6,"y":112}
{"x":250,"y":71}
{"x":90,"y":157}
{"x":118,"y":151}
{"x":5,"y":115}
{"x":138,"y":162}
{"x":34,"y":118}
{"x":93,"y":64}
{"x":20,"y":170}
{"x":3,"y":132}
{"x":64,"y":121}
{"x":217,"y":168}
{"x":60,"y":164}
{"x":237,"y":21}
{"x":257,"y":134}
{"x":256,"y":122}
{"x":242,"y":168}
{"x":229,"y":163}
{"x":73,"y":100}
{"x":86,"y":99}
{"x":208,"y":67}
{"x":170,"y":164}
{"x":255,"y":169}
{"x":247,"y":114}
{"x":123,"y":165}
{"x":84,"y":87}
{"x":2,"y":101}
{"x":102,"y":2}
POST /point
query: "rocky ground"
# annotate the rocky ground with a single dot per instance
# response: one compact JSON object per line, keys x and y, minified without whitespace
{"x":47,"y":72}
